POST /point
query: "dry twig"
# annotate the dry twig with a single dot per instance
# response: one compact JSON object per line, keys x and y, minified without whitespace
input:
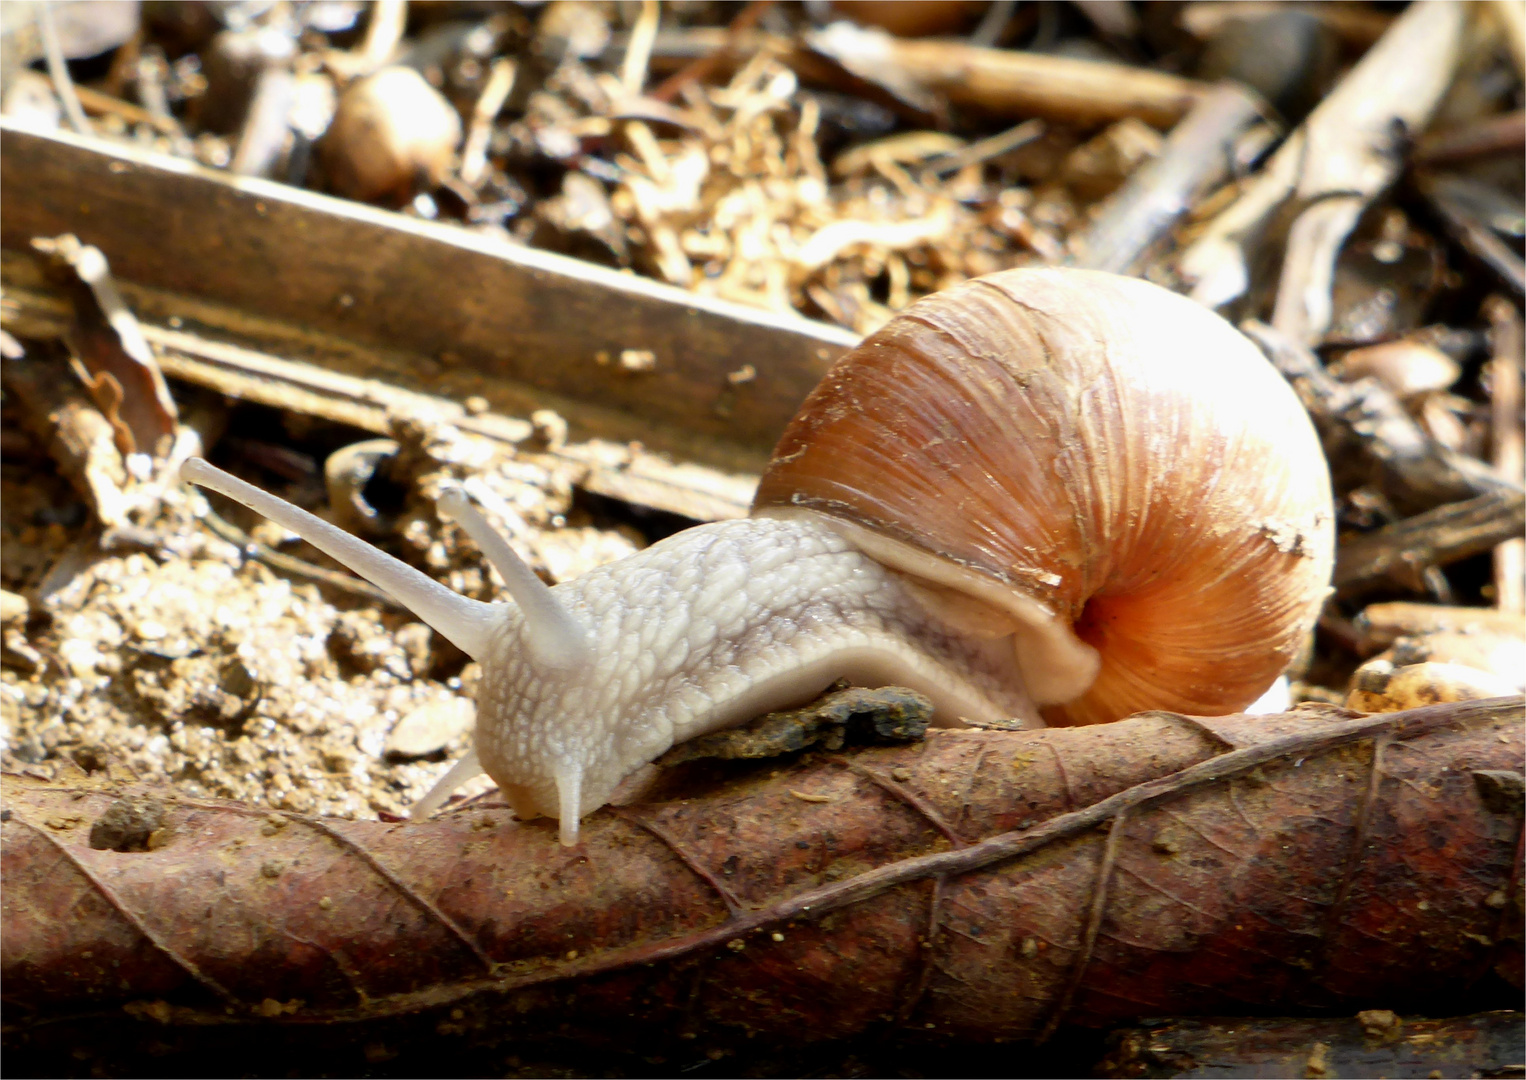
{"x":1198,"y":155}
{"x":1404,"y":550}
{"x":58,"y":69}
{"x":1338,"y":160}
{"x":1380,"y":625}
{"x":1509,"y":460}
{"x":1006,"y":82}
{"x":1502,"y":134}
{"x":500,"y":83}
{"x":1447,"y":195}
{"x":1362,"y":423}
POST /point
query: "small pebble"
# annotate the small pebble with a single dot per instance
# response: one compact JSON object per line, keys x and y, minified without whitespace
{"x":392,"y":135}
{"x":550,"y":429}
{"x":430,"y":728}
{"x":13,"y":607}
{"x":638,"y":360}
{"x":1406,"y":368}
{"x":1378,"y":686}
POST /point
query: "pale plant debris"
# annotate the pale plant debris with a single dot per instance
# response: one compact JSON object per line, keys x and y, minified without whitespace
{"x":740,"y":205}
{"x":727,"y":188}
{"x":747,"y":211}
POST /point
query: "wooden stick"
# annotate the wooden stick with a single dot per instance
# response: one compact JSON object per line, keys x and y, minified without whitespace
{"x":1008,"y":82}
{"x":1364,"y":421}
{"x":500,"y":83}
{"x":264,"y":129}
{"x":1380,"y":625}
{"x":639,"y":51}
{"x":58,"y":70}
{"x":1509,"y":458}
{"x":1001,"y":81}
{"x":1475,"y":236}
{"x":985,"y":149}
{"x":1404,"y":550}
{"x":1357,"y":27}
{"x":1351,"y":153}
{"x":388,"y":18}
{"x":1502,"y":134}
{"x":306,"y":263}
{"x":1332,"y":167}
{"x":101,"y":104}
{"x":1197,"y":155}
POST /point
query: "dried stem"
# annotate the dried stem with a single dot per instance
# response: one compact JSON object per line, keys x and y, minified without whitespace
{"x":1404,"y":550}
{"x":638,"y":53}
{"x":58,"y":69}
{"x":1009,"y":82}
{"x":1197,"y":155}
{"x":1502,"y":134}
{"x":1474,"y":235}
{"x":1509,"y":459}
{"x":500,"y":83}
{"x":1342,"y":156}
{"x":1415,"y":471}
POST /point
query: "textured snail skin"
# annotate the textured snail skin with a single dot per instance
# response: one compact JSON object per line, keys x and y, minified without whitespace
{"x":1053,"y":496}
{"x":706,"y":630}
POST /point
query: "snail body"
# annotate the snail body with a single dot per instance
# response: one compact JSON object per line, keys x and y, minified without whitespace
{"x":1044,"y":495}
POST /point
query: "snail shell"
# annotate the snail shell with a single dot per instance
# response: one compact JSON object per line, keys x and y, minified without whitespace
{"x":1108,"y":464}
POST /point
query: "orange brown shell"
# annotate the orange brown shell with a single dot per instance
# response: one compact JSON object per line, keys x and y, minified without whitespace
{"x":1099,"y":445}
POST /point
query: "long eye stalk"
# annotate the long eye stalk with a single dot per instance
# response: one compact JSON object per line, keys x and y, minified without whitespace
{"x":469,"y":624}
{"x":555,"y":638}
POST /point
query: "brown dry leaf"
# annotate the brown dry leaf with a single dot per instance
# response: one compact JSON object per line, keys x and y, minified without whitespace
{"x":988,"y":883}
{"x":124,"y":378}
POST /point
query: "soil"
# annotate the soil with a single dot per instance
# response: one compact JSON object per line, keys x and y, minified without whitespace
{"x":189,"y":663}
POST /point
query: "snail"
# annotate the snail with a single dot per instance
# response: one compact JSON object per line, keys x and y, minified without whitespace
{"x":1054,"y":496}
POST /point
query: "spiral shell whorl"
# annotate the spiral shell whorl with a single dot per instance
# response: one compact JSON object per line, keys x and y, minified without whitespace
{"x":1099,"y":445}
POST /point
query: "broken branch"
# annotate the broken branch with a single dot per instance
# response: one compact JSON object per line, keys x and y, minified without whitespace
{"x":1402,"y":551}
